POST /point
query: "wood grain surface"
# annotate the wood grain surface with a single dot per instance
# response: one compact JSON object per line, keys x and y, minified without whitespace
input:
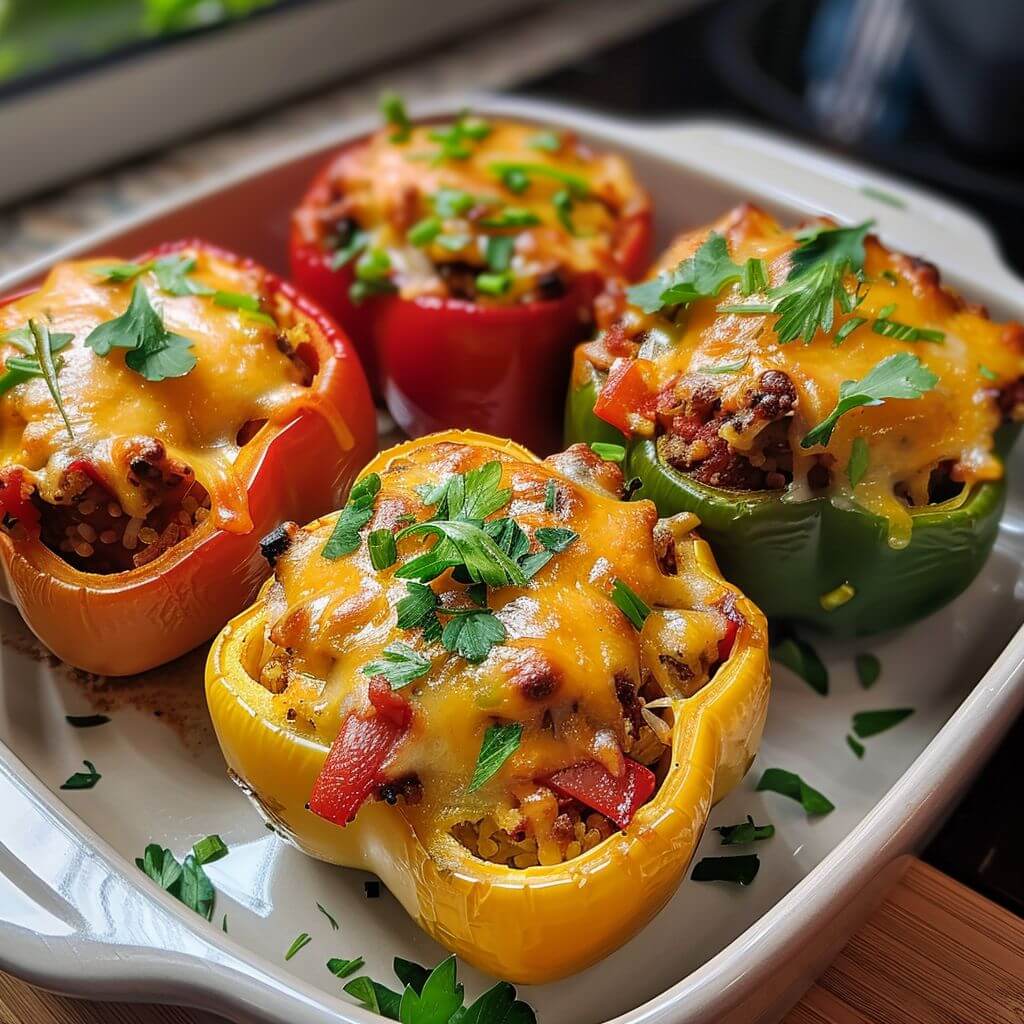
{"x":934,"y":953}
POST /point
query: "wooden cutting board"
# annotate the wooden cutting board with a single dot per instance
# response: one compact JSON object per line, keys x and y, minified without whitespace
{"x":934,"y":953}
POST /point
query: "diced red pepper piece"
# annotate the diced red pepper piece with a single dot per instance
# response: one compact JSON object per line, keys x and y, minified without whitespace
{"x":13,"y":502}
{"x":725,"y":645}
{"x":616,"y":798}
{"x":626,"y":392}
{"x":352,"y":770}
{"x":389,"y":703}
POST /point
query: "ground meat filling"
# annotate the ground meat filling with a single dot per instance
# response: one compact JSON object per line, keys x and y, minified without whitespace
{"x":696,"y":429}
{"x":90,"y":530}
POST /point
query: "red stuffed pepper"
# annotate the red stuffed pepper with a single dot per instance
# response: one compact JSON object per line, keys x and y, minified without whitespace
{"x":464,"y":259}
{"x":158,"y":418}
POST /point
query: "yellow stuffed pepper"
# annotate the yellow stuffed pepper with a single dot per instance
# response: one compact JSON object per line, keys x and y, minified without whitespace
{"x":506,"y":691}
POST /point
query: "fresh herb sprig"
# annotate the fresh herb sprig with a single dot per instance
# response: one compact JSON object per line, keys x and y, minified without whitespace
{"x":900,"y":375}
{"x":152,"y":351}
{"x":39,"y":345}
{"x":701,"y":276}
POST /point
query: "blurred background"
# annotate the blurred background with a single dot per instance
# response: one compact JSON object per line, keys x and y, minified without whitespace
{"x":158,"y":94}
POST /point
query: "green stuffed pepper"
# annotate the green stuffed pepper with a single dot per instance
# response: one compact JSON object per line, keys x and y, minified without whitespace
{"x":835,"y":417}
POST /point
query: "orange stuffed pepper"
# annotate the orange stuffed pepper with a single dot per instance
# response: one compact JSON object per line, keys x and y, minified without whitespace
{"x":157,"y":418}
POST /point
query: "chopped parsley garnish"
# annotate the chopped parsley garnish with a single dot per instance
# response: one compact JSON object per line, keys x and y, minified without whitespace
{"x":498,"y":252}
{"x":578,"y":185}
{"x":630,"y":603}
{"x":806,"y":302}
{"x":847,"y":329}
{"x":871,"y":723}
{"x":556,"y":538}
{"x":187,"y":881}
{"x":550,"y":496}
{"x":802,"y":659}
{"x":152,"y":351}
{"x":897,"y":376}
{"x":789,"y":784}
{"x":499,"y":744}
{"x":740,"y":364}
{"x":39,"y":345}
{"x":740,"y":870}
{"x":471,"y":634}
{"x":460,"y":543}
{"x":860,"y":458}
{"x":247,"y":305}
{"x":334,"y":926}
{"x":300,"y":942}
{"x":703,"y":275}
{"x":86,"y":721}
{"x":455,"y":138}
{"x":855,"y":745}
{"x":493,"y":284}
{"x":904,"y":332}
{"x":356,"y":243}
{"x":343,"y":968}
{"x":510,"y":217}
{"x":392,"y":106}
{"x":436,"y":997}
{"x":83,"y":780}
{"x":423,"y":232}
{"x":546,"y":142}
{"x":382,"y":548}
{"x":882,"y":196}
{"x":869,"y":668}
{"x":372,"y":270}
{"x":171,"y":273}
{"x":417,"y":610}
{"x":452,"y":202}
{"x":987,"y":373}
{"x":609,"y":452}
{"x":357,"y":512}
{"x":120,"y":272}
{"x":563,"y":203}
{"x":515,"y":180}
{"x":745,"y":832}
{"x":399,"y":664}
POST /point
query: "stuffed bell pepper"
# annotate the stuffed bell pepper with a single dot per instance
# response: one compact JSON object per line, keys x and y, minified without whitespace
{"x":156,"y":419}
{"x":506,"y":691}
{"x":832,"y":413}
{"x":464,"y":260}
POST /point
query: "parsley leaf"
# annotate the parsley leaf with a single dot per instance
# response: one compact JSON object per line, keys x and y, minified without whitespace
{"x":803,"y":660}
{"x":392,"y":106}
{"x":855,"y":745}
{"x":987,"y":373}
{"x":86,"y":721}
{"x":498,"y":252}
{"x":153,"y":352}
{"x":498,"y":1005}
{"x":701,"y":276}
{"x":441,"y":996}
{"x":778,"y":780}
{"x":906,"y":332}
{"x":460,"y":543}
{"x":399,"y":664}
{"x":195,"y":889}
{"x":357,"y":512}
{"x":247,"y":305}
{"x":172,"y":272}
{"x":550,"y":496}
{"x":869,"y":668}
{"x":410,"y":973}
{"x":556,"y":538}
{"x":847,"y":329}
{"x":382,"y":548}
{"x":83,"y":780}
{"x":356,"y":243}
{"x":871,"y":723}
{"x":860,"y":458}
{"x":745,"y":832}
{"x":897,"y":376}
{"x":741,"y":870}
{"x":472,"y":634}
{"x":630,"y":603}
{"x":343,"y":968}
{"x":375,"y":997}
{"x":424,"y":231}
{"x":499,"y":744}
{"x":452,"y":202}
{"x":418,"y":610}
{"x":160,"y":865}
{"x":755,"y":276}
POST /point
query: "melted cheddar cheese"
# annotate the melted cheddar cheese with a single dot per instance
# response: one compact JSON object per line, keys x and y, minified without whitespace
{"x":908,"y":439}
{"x":242,"y":376}
{"x":561,"y":670}
{"x":386,"y":187}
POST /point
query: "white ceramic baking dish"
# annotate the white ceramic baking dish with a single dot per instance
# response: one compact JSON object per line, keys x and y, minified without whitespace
{"x":77,"y":916}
